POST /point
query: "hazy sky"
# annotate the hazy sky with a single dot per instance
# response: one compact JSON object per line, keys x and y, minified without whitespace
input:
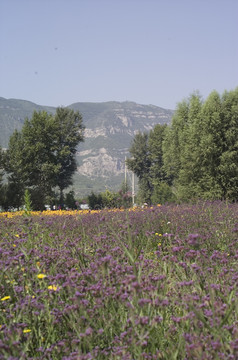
{"x":57,"y":52}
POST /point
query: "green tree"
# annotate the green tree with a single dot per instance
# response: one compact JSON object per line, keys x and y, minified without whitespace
{"x":155,"y":142}
{"x":140,"y":164}
{"x":69,"y":132}
{"x":190,"y":165}
{"x":42,"y":156}
{"x":95,"y":201}
{"x":1,"y":165}
{"x":124,"y":196}
{"x":108,"y":199}
{"x":13,"y":164}
{"x":162,"y":194}
{"x":211,"y":147}
{"x":200,"y":150}
{"x":39,"y":165}
{"x":162,"y":190}
{"x":228,"y":167}
{"x":173,"y":141}
{"x":70,"y":201}
{"x":1,"y":175}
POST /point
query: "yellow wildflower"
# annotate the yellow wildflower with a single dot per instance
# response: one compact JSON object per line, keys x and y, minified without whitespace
{"x":41,"y":276}
{"x":17,"y":235}
{"x":26,"y":331}
{"x":5,"y":298}
{"x":53,"y":287}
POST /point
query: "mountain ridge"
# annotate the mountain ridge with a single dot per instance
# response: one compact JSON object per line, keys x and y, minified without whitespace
{"x":109,"y":130}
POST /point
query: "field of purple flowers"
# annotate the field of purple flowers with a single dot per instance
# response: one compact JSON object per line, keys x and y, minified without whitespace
{"x":155,"y":283}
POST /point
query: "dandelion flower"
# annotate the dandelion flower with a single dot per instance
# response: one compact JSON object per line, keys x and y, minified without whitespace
{"x":41,"y":276}
{"x":5,"y":298}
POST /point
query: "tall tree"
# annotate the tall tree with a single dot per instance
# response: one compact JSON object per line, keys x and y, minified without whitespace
{"x":211,"y":147}
{"x":1,"y":174}
{"x":38,"y":162}
{"x":189,"y":172}
{"x":68,"y":134}
{"x":161,"y":183}
{"x":1,"y":164}
{"x":13,"y":164}
{"x":173,"y":141}
{"x":200,"y":149}
{"x":155,"y":143}
{"x":140,"y":163}
{"x":228,"y":167}
{"x":41,"y":156}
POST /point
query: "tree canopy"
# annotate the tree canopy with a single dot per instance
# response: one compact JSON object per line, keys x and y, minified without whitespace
{"x":196,"y":156}
{"x":147,"y":163}
{"x":41,"y":157}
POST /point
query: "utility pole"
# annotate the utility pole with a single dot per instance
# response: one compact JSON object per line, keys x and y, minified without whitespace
{"x":125,"y":172}
{"x":133,"y":189}
{"x":132,"y":183}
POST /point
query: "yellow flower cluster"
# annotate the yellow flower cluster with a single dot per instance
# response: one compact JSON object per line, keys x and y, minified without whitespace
{"x":53,"y":287}
{"x":64,"y":212}
{"x":41,"y":276}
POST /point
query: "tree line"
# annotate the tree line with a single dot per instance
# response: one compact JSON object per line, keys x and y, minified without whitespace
{"x":196,"y":157}
{"x":40,"y":159}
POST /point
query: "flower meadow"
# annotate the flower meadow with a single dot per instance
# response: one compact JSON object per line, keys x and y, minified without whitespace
{"x":152,"y":283}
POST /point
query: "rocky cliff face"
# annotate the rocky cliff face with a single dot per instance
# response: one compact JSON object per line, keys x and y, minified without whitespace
{"x":106,"y":144}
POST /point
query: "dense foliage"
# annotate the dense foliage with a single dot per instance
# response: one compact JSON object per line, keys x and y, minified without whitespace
{"x":152,"y":283}
{"x":110,"y":199}
{"x":41,"y":157}
{"x":1,"y":173}
{"x":195,"y":157}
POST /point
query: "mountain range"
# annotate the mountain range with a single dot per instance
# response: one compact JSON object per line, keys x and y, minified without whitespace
{"x":109,"y":130}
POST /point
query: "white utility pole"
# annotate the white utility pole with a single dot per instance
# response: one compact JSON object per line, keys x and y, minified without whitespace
{"x":132,"y":183}
{"x":125,"y":171}
{"x":133,"y":189}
